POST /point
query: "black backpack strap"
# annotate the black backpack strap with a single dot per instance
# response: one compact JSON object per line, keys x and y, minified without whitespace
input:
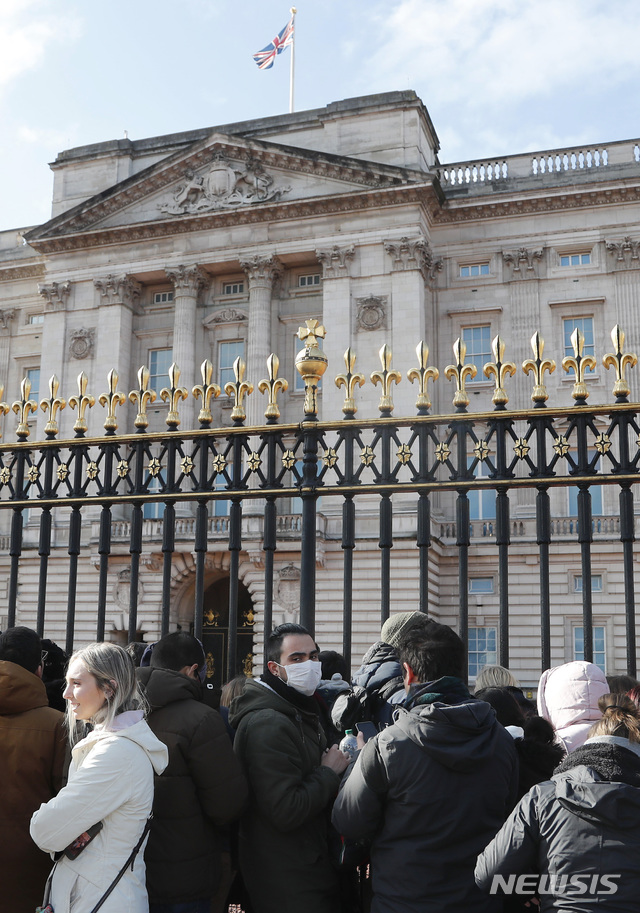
{"x":129,"y":862}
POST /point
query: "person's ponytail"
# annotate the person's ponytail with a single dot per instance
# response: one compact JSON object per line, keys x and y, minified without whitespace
{"x":620,"y":717}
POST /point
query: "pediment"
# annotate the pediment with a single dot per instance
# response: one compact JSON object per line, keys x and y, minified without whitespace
{"x":222,"y":175}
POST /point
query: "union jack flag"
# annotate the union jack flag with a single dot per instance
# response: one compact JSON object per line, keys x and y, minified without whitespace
{"x":283,"y":39}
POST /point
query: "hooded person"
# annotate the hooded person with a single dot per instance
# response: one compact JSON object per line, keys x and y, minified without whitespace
{"x":574,"y":840}
{"x":429,"y":791}
{"x":568,"y":698}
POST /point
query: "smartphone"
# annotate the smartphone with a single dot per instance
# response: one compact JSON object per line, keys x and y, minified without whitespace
{"x":74,"y":849}
{"x":368,"y":729}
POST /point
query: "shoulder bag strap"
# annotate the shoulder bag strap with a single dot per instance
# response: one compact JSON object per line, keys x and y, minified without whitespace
{"x":129,"y":862}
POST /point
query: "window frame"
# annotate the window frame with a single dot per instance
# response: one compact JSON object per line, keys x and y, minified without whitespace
{"x":488,"y":661}
{"x":228,"y":367}
{"x":471,"y":356}
{"x":578,"y":656}
{"x":483,"y":268}
{"x":153,"y":385}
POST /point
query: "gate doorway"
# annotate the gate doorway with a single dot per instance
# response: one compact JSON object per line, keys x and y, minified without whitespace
{"x":215,"y":632}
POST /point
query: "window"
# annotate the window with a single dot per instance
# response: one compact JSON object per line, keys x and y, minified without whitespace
{"x":482,"y":501}
{"x":482,"y":649}
{"x":227,"y":354}
{"x":473,"y":270}
{"x":575,"y":259}
{"x":585,"y":325}
{"x":153,"y":510}
{"x":298,"y":383}
{"x":33,"y":374}
{"x":35,"y":318}
{"x":233,"y":288}
{"x":160,"y":361}
{"x":478,"y":340}
{"x":162,"y":297}
{"x":479,"y":586}
{"x":307,"y":281}
{"x":596,"y":583}
{"x":596,"y":495}
{"x":599,"y":645}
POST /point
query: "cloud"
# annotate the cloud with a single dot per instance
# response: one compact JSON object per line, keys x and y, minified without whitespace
{"x":28,"y":28}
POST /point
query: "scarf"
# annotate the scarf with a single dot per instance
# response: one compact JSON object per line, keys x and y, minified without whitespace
{"x":301,"y":701}
{"x":445,"y":690}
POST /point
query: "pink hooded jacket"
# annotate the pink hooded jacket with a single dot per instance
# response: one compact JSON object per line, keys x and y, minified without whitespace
{"x":568,"y":699}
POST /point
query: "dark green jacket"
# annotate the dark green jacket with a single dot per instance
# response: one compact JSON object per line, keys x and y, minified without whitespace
{"x":283,"y":836}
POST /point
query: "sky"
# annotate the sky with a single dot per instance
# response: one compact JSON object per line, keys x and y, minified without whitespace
{"x":498,"y":77}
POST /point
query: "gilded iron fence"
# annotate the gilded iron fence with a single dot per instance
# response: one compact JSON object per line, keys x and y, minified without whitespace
{"x":538,"y":448}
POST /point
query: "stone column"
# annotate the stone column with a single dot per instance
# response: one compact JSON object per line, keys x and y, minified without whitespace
{"x":52,"y":360}
{"x":119,"y":298}
{"x":261,"y":273}
{"x":336,"y":317}
{"x":413,"y":270}
{"x":187,"y":281}
{"x":6,"y":316}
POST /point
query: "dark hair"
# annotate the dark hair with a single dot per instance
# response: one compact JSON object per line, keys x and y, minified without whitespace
{"x":21,"y":646}
{"x":432,"y":652}
{"x":177,"y":650}
{"x":333,"y":662}
{"x":634,"y":694}
{"x":621,"y":684}
{"x":135,"y":650}
{"x":55,"y":665}
{"x":619,"y":717}
{"x":505,"y":705}
{"x":273,"y":650}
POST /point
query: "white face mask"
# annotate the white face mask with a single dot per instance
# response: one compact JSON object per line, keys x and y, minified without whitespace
{"x":304,"y":677}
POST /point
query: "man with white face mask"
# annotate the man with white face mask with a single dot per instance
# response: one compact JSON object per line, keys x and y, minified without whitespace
{"x":293,"y":779}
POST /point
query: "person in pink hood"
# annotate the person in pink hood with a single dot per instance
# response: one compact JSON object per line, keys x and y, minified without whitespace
{"x":568,"y":698}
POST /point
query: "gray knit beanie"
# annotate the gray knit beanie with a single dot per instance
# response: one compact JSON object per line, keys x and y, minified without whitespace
{"x":396,"y":626}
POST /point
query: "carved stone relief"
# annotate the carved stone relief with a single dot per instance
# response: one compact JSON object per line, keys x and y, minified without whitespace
{"x":227,"y":315}
{"x":335,"y":261}
{"x":413,"y":253}
{"x":81,"y":343}
{"x":288,"y":593}
{"x":523,"y":263}
{"x":371,"y":312}
{"x":223,"y":186}
{"x":118,"y":290}
{"x":625,"y":253}
{"x":55,"y":295}
{"x":122,"y":588}
{"x":6,"y":317}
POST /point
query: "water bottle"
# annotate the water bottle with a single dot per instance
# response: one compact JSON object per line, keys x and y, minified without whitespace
{"x":349,"y":743}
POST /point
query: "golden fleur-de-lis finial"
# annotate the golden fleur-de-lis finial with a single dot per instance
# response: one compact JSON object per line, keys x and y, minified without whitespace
{"x":173,"y":395}
{"x":459,"y":372}
{"x":52,"y":405}
{"x":349,"y":381}
{"x":111,"y":401}
{"x":238,"y":388}
{"x":142,"y":397}
{"x":500,"y":370}
{"x":81,"y":402}
{"x":23,"y":407}
{"x":385,"y":378}
{"x":423,"y":374}
{"x":537,"y":366}
{"x":620,"y":360}
{"x":273,"y":386}
{"x":578,"y":363}
{"x":311,"y":363}
{"x":4,"y":407}
{"x":207,"y":390}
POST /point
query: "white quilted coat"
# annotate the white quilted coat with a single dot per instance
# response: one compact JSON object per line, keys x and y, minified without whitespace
{"x":110,"y":780}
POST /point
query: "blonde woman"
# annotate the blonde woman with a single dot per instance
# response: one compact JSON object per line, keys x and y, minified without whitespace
{"x":575,"y":839}
{"x":110,"y":789}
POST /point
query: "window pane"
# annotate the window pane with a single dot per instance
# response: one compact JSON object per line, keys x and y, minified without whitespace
{"x":478,"y":585}
{"x":228,"y":352}
{"x":34,"y":376}
{"x":482,"y":502}
{"x":478,"y":341}
{"x":599,"y":645}
{"x":160,"y":361}
{"x":482,"y":648}
{"x":585,"y":325}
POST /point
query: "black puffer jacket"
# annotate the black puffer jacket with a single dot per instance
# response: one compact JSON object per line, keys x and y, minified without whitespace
{"x":429,"y":791}
{"x":201,"y":790}
{"x":580,"y":831}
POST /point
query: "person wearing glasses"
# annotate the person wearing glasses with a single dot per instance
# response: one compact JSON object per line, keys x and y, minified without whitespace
{"x":32,"y":766}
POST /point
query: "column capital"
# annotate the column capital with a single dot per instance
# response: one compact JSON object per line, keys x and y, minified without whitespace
{"x":55,"y":295}
{"x":118,"y":290}
{"x":413,"y":253}
{"x":625,"y":254}
{"x":261,"y":270}
{"x":188,"y":280}
{"x":524,"y":263}
{"x":335,"y":261}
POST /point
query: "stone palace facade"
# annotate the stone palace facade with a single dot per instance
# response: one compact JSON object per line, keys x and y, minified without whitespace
{"x":221,"y":242}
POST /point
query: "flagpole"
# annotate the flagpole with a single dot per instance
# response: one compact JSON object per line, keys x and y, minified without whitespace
{"x":292,"y":64}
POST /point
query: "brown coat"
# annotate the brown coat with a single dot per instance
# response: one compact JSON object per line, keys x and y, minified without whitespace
{"x":33,"y":750}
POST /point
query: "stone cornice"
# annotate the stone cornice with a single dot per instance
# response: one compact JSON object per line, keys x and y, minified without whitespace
{"x":422,"y":194}
{"x":28,"y":271}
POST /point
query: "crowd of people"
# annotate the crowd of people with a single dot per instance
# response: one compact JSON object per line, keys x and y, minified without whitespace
{"x":128,"y":788}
